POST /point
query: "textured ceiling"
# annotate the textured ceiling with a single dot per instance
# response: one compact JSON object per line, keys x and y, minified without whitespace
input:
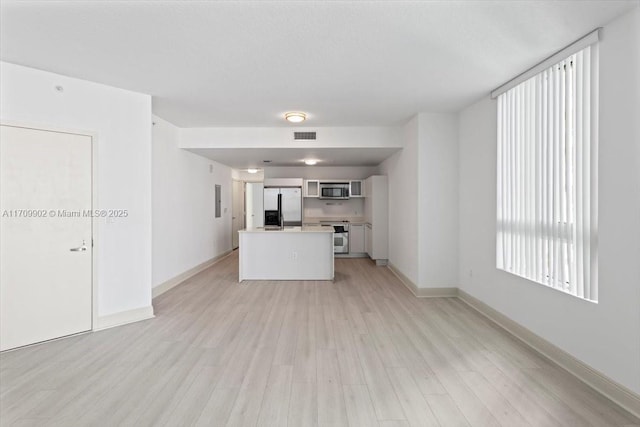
{"x":346,"y":63}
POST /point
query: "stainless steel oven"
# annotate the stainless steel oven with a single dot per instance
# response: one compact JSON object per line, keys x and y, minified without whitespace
{"x":340,"y":237}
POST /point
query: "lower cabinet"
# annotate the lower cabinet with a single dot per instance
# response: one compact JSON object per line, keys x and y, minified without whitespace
{"x":356,"y":239}
{"x":368,"y":239}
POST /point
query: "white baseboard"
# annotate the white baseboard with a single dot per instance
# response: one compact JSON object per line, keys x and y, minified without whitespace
{"x":604,"y":385}
{"x":422,"y":292}
{"x":175,"y":281}
{"x":124,"y":317}
{"x":596,"y":380}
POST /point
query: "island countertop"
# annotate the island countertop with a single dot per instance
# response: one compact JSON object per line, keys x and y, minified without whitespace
{"x":336,"y":219}
{"x":292,"y":253}
{"x":304,"y":229}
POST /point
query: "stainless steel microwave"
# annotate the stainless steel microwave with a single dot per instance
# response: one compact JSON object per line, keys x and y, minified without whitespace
{"x":334,"y":190}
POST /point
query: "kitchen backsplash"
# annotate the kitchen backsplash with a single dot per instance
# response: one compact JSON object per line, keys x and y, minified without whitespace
{"x":333,"y":208}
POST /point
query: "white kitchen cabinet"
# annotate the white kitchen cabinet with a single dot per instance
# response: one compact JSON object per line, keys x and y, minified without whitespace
{"x":311,"y":188}
{"x":368,"y":191}
{"x":356,"y":239}
{"x":356,"y":188}
{"x":368,"y":239}
{"x":376,"y":213}
{"x":302,"y":254}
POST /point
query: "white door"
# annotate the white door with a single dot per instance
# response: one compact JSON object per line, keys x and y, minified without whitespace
{"x":45,"y":237}
{"x":237,"y":211}
{"x":254,"y":204}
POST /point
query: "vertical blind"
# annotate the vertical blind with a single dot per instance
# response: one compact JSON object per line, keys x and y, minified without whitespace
{"x":546,"y":216}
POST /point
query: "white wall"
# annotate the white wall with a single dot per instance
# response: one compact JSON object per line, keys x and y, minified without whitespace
{"x":402,"y":174}
{"x":122,"y":121}
{"x":423,"y":201}
{"x":438,"y":200}
{"x":185,"y":230}
{"x":240,"y":175}
{"x":320,"y":172}
{"x":605,"y":335}
{"x":227,"y":137}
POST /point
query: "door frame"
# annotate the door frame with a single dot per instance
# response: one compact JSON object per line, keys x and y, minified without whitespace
{"x":94,"y":200}
{"x":243,"y":213}
{"x":246,"y":212}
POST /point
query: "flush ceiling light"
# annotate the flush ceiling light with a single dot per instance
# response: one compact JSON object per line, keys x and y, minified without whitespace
{"x":252,"y":170}
{"x":295,"y":116}
{"x":310,"y":162}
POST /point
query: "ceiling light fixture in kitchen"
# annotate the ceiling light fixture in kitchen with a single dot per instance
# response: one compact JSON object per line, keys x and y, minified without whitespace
{"x":252,"y":170}
{"x":295,"y":116}
{"x":310,"y":162}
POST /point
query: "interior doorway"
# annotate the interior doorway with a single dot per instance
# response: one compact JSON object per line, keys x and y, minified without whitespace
{"x":237,"y":212}
{"x":254,"y":204}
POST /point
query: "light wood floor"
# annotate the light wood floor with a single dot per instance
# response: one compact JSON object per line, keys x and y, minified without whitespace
{"x":361,"y":351}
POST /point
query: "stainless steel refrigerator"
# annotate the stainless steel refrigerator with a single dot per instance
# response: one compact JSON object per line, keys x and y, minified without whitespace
{"x":291,"y":205}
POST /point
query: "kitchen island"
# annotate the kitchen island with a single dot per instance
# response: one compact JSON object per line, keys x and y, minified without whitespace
{"x":292,"y":253}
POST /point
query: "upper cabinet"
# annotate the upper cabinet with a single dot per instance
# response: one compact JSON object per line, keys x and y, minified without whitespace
{"x":356,"y":188}
{"x":312,"y":188}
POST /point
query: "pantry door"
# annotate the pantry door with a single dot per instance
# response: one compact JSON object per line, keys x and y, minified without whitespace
{"x":45,"y":235}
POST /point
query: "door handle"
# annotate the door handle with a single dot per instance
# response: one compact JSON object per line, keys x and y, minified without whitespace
{"x":80,"y":249}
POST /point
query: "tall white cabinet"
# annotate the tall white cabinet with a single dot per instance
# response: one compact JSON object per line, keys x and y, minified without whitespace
{"x":376,"y":213}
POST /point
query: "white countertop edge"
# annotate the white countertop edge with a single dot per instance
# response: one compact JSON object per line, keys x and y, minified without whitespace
{"x":290,"y":230}
{"x":336,"y":219}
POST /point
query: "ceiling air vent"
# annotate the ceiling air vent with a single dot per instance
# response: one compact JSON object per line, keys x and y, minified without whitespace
{"x":304,"y":136}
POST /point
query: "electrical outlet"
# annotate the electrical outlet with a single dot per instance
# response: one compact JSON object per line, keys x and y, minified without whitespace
{"x":470,"y":273}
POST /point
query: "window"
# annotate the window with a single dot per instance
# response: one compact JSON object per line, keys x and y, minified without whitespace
{"x":547,"y":170}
